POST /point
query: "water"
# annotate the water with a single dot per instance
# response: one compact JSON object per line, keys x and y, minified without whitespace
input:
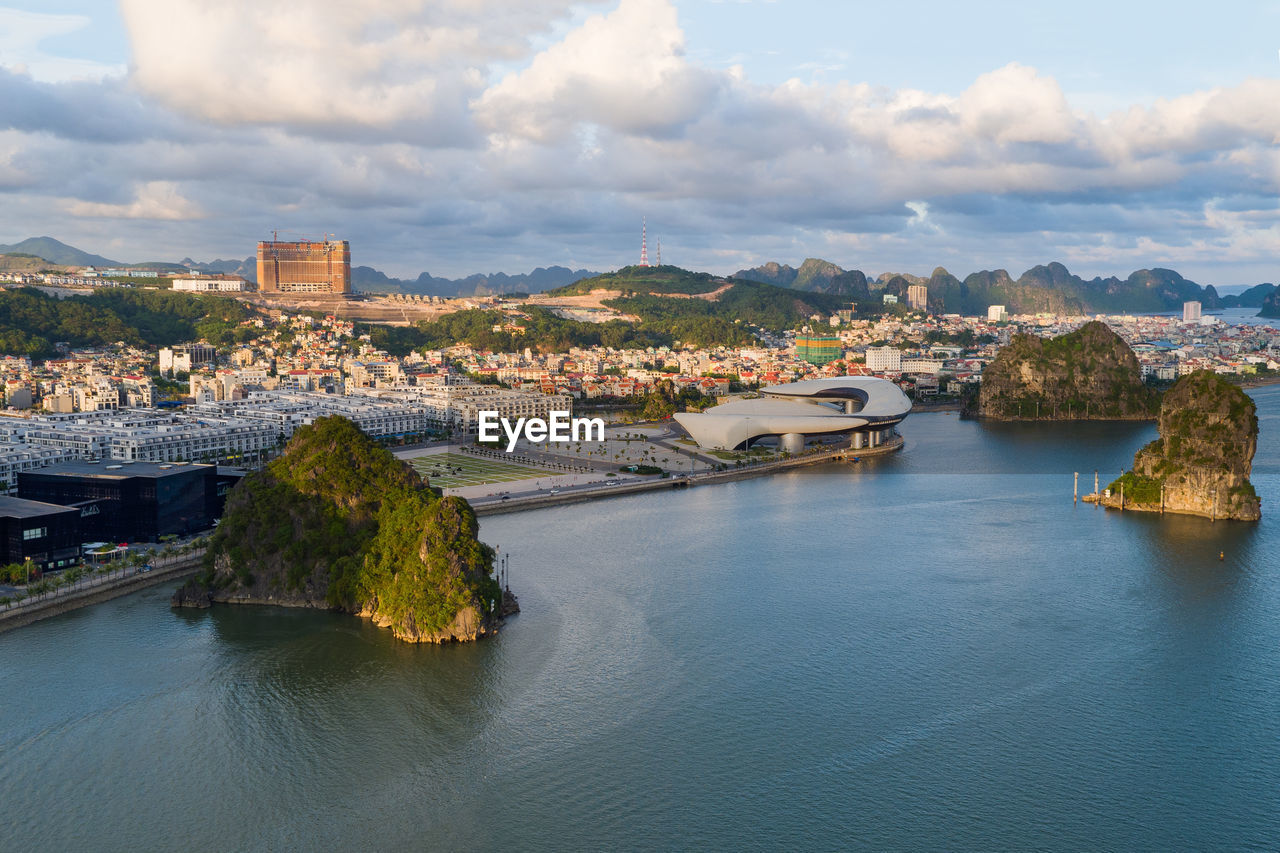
{"x":1244,"y":317}
{"x":932,"y":651}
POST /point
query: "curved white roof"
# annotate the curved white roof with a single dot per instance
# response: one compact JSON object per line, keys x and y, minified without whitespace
{"x":812,"y":407}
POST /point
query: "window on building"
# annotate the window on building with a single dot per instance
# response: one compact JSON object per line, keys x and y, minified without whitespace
{"x":35,"y":533}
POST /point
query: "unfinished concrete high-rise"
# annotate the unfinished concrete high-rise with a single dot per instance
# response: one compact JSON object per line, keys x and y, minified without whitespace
{"x":304,"y":267}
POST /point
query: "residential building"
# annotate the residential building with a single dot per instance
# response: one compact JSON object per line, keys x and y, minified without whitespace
{"x":917,"y":297}
{"x":884,"y":359}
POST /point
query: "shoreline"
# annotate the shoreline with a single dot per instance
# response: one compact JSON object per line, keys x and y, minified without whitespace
{"x":23,"y":614}
{"x":1259,"y":382}
{"x":179,"y":568}
{"x":1113,"y":502}
{"x":500,"y":507}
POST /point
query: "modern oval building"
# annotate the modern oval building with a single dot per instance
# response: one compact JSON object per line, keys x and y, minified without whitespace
{"x":863,"y":407}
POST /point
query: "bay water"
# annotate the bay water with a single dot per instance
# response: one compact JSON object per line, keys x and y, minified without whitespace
{"x":936,"y":650}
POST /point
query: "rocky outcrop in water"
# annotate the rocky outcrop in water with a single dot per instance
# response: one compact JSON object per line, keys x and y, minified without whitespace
{"x":1088,"y":374}
{"x":1200,"y":464}
{"x":338,"y":523}
{"x":1271,"y":304}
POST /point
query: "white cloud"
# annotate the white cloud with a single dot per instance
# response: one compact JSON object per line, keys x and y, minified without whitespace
{"x":339,"y":68}
{"x":158,"y":200}
{"x":387,"y":120}
{"x":625,"y":70}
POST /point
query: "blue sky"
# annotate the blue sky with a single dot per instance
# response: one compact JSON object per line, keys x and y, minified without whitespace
{"x":463,"y":136}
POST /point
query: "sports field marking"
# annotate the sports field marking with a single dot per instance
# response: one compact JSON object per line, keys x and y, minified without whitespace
{"x":451,"y":470}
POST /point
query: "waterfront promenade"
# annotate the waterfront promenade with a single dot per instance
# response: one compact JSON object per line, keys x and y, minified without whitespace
{"x":493,"y":505}
{"x":93,"y":590}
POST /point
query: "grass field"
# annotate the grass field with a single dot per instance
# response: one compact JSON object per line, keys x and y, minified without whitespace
{"x":449,"y":470}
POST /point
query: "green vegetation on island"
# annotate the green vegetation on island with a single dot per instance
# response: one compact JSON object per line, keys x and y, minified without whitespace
{"x":338,"y":522}
{"x":1088,"y":374}
{"x":1202,"y":460}
{"x":1271,"y":304}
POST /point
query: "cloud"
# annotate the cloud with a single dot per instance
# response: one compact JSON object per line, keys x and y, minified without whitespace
{"x":459,"y":135}
{"x":93,"y":111}
{"x":625,"y":71}
{"x":401,"y":67}
{"x":158,"y":200}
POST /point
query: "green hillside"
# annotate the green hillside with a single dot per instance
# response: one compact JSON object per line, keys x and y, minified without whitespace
{"x":636,"y":280}
{"x":31,"y":321}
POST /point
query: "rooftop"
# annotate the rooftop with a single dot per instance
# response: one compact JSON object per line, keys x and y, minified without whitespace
{"x":22,"y":508}
{"x":119,"y":470}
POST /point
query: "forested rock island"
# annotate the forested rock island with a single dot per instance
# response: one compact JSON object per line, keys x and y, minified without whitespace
{"x":1201,"y":462}
{"x":1088,"y":374}
{"x":337,"y":522}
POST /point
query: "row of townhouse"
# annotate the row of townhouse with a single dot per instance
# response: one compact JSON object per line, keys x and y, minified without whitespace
{"x":18,"y":458}
{"x":140,"y":436}
{"x":382,"y":416}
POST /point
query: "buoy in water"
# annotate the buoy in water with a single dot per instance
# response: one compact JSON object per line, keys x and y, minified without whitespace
{"x":1222,"y":555}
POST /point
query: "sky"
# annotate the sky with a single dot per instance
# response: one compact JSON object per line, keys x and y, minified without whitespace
{"x":464,"y":136}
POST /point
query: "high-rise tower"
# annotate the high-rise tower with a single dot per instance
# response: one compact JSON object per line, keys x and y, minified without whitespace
{"x":304,"y":267}
{"x":644,"y":242}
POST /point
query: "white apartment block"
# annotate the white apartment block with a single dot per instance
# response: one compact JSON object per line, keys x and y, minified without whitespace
{"x":917,"y":297}
{"x":181,"y":359}
{"x":142,"y":436}
{"x":931,"y":366}
{"x":14,"y":459}
{"x":220,"y":284}
{"x":285,"y":411}
{"x":884,"y":359}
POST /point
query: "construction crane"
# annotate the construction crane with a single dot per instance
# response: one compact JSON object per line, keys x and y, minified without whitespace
{"x":307,"y":238}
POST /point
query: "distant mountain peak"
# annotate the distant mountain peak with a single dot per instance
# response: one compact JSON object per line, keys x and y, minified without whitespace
{"x":57,"y":252}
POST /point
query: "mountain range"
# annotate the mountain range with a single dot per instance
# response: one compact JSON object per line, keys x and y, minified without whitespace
{"x":1049,"y":288}
{"x":1044,"y":288}
{"x":57,"y":252}
{"x":366,"y":279}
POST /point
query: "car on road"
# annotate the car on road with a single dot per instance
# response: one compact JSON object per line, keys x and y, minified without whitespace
{"x":555,"y":491}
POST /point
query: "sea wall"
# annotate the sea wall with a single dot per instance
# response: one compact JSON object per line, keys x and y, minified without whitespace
{"x":624,"y":487}
{"x":34,"y":610}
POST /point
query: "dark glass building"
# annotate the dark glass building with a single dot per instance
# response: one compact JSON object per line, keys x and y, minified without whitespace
{"x":130,"y":502}
{"x":49,"y":535}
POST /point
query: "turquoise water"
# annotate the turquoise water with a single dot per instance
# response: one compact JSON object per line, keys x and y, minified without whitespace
{"x":933,"y":651}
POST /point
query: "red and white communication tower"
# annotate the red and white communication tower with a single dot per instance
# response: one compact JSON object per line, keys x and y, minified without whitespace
{"x":644,"y":242}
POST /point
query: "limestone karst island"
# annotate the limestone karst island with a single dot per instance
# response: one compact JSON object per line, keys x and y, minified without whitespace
{"x":1200,"y":464}
{"x":1088,"y":374}
{"x":338,"y":523}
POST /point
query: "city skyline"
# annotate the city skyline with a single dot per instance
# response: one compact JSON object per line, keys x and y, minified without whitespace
{"x":462,"y":138}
